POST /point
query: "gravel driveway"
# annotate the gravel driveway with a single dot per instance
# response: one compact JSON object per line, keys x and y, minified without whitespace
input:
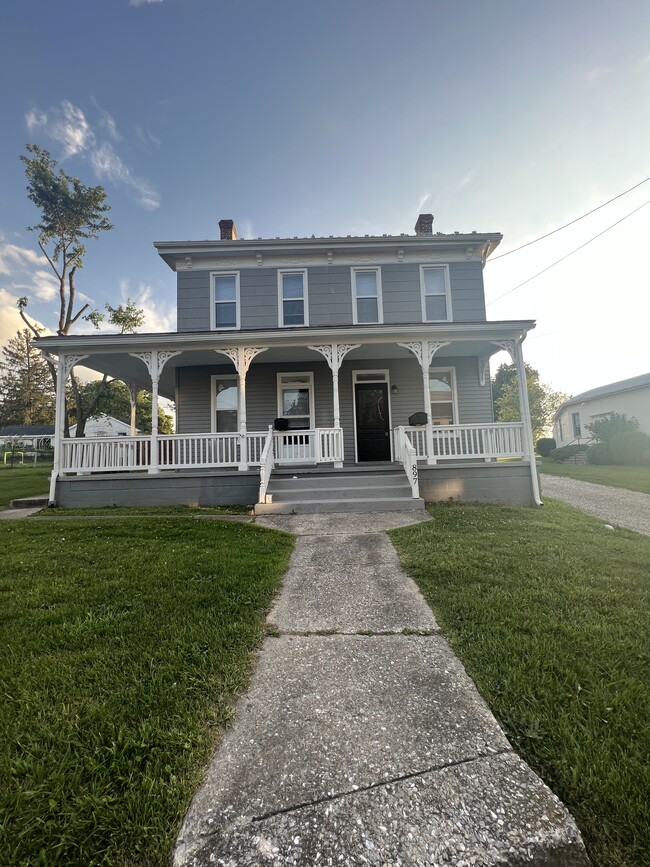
{"x":629,"y":509}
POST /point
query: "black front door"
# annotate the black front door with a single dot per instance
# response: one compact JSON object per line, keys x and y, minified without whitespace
{"x":373,"y":424}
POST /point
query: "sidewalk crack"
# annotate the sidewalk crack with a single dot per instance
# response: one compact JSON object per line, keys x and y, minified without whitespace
{"x":399,"y":779}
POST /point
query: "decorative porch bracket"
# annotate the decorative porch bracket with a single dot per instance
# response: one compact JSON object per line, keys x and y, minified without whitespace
{"x":242,"y":357}
{"x":64,"y":365}
{"x":424,"y":350}
{"x":334,"y":353}
{"x":154,"y":361}
{"x":483,"y":368}
{"x":514,"y":350}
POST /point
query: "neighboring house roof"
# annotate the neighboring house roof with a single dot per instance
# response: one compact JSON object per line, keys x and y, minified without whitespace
{"x":605,"y":390}
{"x":27,"y":430}
{"x":109,"y":420}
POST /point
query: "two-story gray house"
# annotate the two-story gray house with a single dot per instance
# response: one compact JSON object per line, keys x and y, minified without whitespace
{"x":308,"y":374}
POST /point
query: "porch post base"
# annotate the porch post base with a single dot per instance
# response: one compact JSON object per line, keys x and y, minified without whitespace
{"x":432,"y":462}
{"x":242,"y":468}
{"x":338,"y":465}
{"x":153,"y":470}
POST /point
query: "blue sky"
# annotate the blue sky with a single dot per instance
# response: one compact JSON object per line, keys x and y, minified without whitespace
{"x":301,"y":118}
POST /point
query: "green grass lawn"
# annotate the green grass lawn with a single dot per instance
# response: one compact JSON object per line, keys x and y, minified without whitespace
{"x":632,"y":478}
{"x":23,"y":481}
{"x":124,"y":645}
{"x":550,"y":613}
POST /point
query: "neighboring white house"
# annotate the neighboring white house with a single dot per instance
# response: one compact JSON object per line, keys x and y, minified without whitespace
{"x":630,"y":397}
{"x":105,"y":426}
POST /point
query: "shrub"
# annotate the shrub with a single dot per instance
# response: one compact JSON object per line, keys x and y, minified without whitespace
{"x":544,"y":446}
{"x":630,"y":448}
{"x":603,"y":429}
{"x":561,"y":454}
{"x":599,"y":454}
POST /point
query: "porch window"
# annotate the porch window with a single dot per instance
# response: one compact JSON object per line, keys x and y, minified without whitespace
{"x":225,"y":301}
{"x":366,"y":296}
{"x":442,"y":395}
{"x":292,"y":300}
{"x":225,"y":392}
{"x":296,"y":400}
{"x":436,"y":295}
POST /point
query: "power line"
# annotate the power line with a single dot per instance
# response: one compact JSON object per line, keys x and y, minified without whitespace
{"x":566,"y":225}
{"x":548,"y":268}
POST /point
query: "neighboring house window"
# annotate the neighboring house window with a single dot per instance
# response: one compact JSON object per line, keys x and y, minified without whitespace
{"x":436,"y":294}
{"x":366,"y":296}
{"x":292,"y":298}
{"x":225,"y":301}
{"x":575,"y":423}
{"x":296,"y":399}
{"x":442,"y":395}
{"x":225,"y":397}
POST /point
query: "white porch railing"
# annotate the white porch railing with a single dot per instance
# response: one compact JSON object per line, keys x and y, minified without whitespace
{"x":406,"y":454}
{"x":480,"y":441}
{"x":266,"y":466}
{"x":199,"y":451}
{"x":321,"y":445}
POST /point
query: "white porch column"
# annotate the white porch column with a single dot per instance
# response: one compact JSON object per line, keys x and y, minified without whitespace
{"x":64,"y":365}
{"x":242,"y":357}
{"x":334,"y":353}
{"x":424,"y":350}
{"x":513,"y":348}
{"x":155,"y":362}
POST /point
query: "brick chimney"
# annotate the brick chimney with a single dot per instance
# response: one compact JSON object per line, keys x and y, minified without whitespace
{"x":228,"y":230}
{"x":424,"y":225}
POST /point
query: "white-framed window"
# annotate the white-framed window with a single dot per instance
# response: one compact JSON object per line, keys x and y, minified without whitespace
{"x":442,"y":395}
{"x":436,"y":293}
{"x":366,"y":296}
{"x":296,"y":400}
{"x":575,"y":424}
{"x":224,"y":297}
{"x":225,"y":404}
{"x":293,"y":308}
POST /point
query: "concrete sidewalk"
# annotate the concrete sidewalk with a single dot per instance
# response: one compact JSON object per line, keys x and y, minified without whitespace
{"x":361,"y":739}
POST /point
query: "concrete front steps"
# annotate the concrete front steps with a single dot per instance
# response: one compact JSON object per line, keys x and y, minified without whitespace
{"x":382,"y":488}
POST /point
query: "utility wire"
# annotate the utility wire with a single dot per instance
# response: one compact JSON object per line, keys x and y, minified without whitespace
{"x":566,"y":225}
{"x":548,"y":268}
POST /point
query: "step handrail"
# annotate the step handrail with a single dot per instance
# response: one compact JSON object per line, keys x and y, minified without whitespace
{"x":408,"y":457}
{"x":266,"y":467}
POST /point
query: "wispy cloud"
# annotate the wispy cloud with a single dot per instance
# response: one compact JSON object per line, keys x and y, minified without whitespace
{"x":423,"y":200}
{"x":12,"y":256}
{"x":10,"y":321}
{"x":597,"y":72}
{"x":67,"y":124}
{"x":158,"y":316}
{"x":143,"y":2}
{"x":145,"y":138}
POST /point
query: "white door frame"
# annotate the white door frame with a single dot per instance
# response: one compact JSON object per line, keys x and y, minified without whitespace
{"x":385,"y":381}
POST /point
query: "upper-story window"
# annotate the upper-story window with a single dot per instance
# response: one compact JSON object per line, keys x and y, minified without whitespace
{"x":225,"y":301}
{"x":436,"y":294}
{"x":292,"y":298}
{"x":366,"y":296}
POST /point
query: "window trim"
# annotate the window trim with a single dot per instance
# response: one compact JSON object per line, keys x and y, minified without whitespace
{"x":423,"y":296}
{"x":305,"y":296}
{"x":380,"y":301}
{"x":213,"y":399}
{"x":454,"y":394}
{"x":295,"y":384}
{"x":214,"y":302}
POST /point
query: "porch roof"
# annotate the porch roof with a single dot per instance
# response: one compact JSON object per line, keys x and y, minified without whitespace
{"x":111,"y":353}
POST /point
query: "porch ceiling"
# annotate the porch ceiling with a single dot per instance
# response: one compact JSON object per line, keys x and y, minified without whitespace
{"x":111,"y":354}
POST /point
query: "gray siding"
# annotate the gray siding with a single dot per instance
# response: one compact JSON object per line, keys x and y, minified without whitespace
{"x":507,"y":484}
{"x":330,"y":296}
{"x":467,"y":293}
{"x":193,"y":390}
